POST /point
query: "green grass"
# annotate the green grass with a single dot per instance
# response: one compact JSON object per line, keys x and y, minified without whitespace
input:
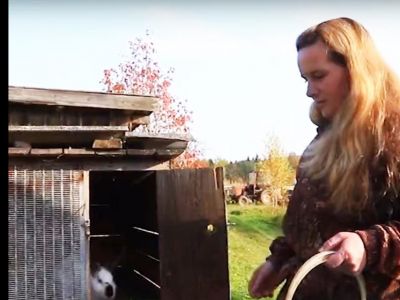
{"x":250,"y":232}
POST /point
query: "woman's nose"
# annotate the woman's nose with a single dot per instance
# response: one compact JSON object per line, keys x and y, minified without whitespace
{"x":311,"y":91}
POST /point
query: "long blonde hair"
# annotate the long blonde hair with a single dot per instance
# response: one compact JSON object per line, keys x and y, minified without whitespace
{"x":366,"y":130}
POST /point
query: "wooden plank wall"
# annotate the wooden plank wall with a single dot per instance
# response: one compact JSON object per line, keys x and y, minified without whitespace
{"x":42,"y":115}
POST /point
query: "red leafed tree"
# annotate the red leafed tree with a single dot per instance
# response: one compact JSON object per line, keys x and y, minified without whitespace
{"x":141,"y":75}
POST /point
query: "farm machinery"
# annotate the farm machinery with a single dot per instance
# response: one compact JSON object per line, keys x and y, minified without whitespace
{"x":249,"y":193}
{"x":254,"y":192}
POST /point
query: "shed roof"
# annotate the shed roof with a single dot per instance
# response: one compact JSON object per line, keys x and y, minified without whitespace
{"x":54,"y":122}
{"x":40,"y":96}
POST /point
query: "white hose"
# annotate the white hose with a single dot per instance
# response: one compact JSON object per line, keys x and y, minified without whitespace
{"x":310,"y":264}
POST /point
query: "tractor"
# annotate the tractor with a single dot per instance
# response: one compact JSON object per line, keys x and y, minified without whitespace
{"x":254,"y":192}
{"x":249,"y":193}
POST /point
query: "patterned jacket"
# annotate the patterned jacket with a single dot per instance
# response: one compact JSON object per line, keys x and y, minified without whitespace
{"x":309,"y":222}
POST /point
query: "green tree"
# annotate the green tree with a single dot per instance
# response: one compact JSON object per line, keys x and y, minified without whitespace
{"x":220,"y":162}
{"x":244,"y":168}
{"x":232,"y":172}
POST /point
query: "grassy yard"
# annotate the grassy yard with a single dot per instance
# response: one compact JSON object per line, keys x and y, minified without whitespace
{"x":250,"y":232}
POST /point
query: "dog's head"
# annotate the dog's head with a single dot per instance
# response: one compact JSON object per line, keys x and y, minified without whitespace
{"x":102,"y":284}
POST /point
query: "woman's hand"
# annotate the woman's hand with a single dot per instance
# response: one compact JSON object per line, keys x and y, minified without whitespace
{"x":265,"y":280}
{"x":350,"y":256}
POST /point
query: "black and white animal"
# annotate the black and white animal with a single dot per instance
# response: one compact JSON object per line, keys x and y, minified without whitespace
{"x":102,"y":284}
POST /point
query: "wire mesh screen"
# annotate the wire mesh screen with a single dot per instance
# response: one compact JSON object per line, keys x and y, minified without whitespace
{"x":46,"y":240}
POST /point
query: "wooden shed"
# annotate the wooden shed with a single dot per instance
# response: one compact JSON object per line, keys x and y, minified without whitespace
{"x":84,"y":187}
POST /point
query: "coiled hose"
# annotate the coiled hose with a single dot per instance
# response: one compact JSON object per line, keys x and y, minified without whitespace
{"x":310,"y":264}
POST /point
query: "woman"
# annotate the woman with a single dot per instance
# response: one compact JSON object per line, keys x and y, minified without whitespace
{"x":347,"y":196}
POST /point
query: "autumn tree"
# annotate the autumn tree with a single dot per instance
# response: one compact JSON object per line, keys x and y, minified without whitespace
{"x":141,"y":74}
{"x":294,"y":160}
{"x":275,"y":169}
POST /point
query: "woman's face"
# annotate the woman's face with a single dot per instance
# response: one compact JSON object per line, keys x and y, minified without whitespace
{"x":328,"y":82}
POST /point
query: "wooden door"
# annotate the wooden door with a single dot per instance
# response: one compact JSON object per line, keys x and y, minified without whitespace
{"x":192,"y":235}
